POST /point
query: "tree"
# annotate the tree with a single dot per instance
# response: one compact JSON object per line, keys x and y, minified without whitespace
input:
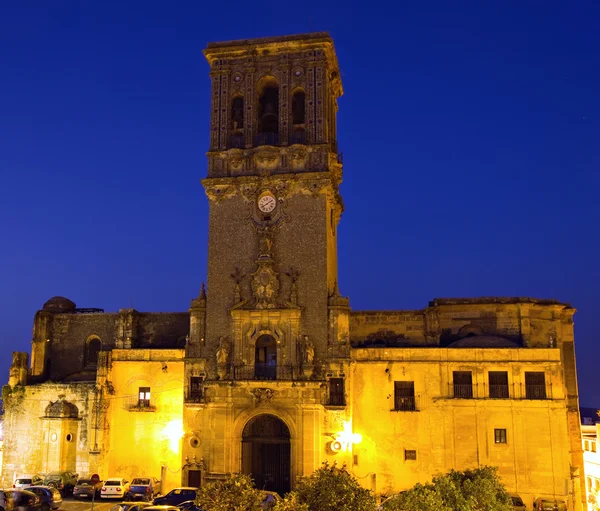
{"x":333,"y":489}
{"x":477,"y":489}
{"x":236,"y":493}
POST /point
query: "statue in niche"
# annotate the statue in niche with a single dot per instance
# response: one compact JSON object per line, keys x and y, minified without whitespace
{"x":308,"y":350}
{"x":223,"y":351}
{"x":266,"y":244}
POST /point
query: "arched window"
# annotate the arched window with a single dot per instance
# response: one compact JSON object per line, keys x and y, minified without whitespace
{"x":298,"y":107}
{"x":268,"y":111}
{"x":265,"y":358}
{"x":94,"y":346}
{"x":237,"y":113}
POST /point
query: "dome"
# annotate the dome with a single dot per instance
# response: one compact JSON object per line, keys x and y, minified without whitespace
{"x":61,"y":409}
{"x":484,"y":341}
{"x":59,"y":304}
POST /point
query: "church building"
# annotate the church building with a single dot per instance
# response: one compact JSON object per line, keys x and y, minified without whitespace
{"x":270,"y":372}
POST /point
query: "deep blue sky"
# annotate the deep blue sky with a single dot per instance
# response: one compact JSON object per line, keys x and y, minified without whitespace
{"x":470,"y":134}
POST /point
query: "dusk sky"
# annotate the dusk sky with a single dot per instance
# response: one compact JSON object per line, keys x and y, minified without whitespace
{"x":470,"y":133}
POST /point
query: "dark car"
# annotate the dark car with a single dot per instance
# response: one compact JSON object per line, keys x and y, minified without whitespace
{"x":50,"y":498}
{"x":64,"y":482}
{"x":14,"y":498}
{"x":130,"y":506}
{"x":84,"y":489}
{"x":143,"y":488}
{"x":189,"y":505}
{"x":176,"y":497}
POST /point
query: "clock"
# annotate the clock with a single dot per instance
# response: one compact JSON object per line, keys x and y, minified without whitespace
{"x":266,"y":203}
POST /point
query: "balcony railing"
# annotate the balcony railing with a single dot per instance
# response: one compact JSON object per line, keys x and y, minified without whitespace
{"x":266,"y":139}
{"x":266,"y":372}
{"x":511,"y":391}
{"x":406,"y":404}
{"x":194,"y":395}
{"x":462,"y":391}
{"x":135,"y":404}
{"x":336,"y":400}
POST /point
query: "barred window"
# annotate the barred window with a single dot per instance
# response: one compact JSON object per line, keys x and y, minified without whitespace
{"x":404,"y":396}
{"x":336,"y":392}
{"x":144,"y":397}
{"x":463,"y":384}
{"x":498,"y":381}
{"x":535,"y":385}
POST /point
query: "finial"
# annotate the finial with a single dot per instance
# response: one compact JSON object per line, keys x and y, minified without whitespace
{"x":202,"y":295}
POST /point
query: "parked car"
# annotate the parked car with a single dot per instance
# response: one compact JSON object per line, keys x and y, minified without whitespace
{"x":189,"y":505}
{"x":14,"y":498}
{"x":270,"y":498}
{"x":549,"y":504}
{"x":26,"y":480}
{"x":64,"y":481}
{"x":143,"y":488}
{"x":50,"y":498}
{"x":130,"y":506}
{"x":84,"y":489}
{"x":161,"y":508}
{"x":176,"y":497}
{"x":114,"y":488}
{"x":517,"y":503}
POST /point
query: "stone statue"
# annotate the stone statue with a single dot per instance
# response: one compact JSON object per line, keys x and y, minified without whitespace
{"x":309,"y":351}
{"x":223,"y":351}
{"x":266,"y":245}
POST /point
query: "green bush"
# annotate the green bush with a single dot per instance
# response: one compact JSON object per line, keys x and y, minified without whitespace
{"x":333,"y":489}
{"x":236,"y":493}
{"x":477,"y":489}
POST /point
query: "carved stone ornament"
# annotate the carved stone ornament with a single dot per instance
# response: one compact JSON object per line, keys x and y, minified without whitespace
{"x":262,"y":395}
{"x":267,"y":158}
{"x":265,"y":285}
{"x":220,"y":192}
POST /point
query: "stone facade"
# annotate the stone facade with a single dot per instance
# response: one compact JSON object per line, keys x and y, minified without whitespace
{"x":270,"y":372}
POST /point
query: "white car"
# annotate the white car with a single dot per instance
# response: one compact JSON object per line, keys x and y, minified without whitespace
{"x":27,"y":480}
{"x":114,"y":488}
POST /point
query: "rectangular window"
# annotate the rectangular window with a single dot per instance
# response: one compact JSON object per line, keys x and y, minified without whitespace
{"x":498,"y":381}
{"x":404,"y":396}
{"x":410,"y":455}
{"x":144,"y":397}
{"x":463,"y":384}
{"x":535,"y":385}
{"x":500,"y":436}
{"x":196,"y":389}
{"x":336,"y":392}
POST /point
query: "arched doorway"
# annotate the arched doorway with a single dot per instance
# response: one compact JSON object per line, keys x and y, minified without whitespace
{"x":266,"y":453}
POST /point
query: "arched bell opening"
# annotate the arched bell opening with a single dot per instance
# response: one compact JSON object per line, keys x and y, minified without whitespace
{"x":266,"y":453}
{"x":265,"y":358}
{"x":298,"y":135}
{"x":268,"y":111}
{"x":236,"y":138}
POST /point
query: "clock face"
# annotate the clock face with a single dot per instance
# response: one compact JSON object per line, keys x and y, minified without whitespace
{"x":267,"y":203}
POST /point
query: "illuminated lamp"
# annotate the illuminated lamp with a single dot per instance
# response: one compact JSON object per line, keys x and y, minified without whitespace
{"x":336,"y":446}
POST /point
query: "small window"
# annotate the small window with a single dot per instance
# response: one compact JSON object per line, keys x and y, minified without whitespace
{"x":336,"y":392}
{"x":69,"y":437}
{"x":535,"y":385}
{"x":237,"y":113}
{"x":404,"y":396}
{"x":410,"y":455}
{"x":498,"y":381}
{"x":298,"y":107}
{"x":94,"y":346}
{"x":463,"y":384}
{"x":144,"y":397}
{"x":500,"y":436}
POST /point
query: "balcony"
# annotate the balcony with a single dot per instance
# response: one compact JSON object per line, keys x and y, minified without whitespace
{"x":266,"y":139}
{"x":535,"y":392}
{"x":462,"y":391}
{"x":266,"y":372}
{"x":406,"y":404}
{"x":134,"y":404}
{"x":498,"y":392}
{"x":512,"y":391}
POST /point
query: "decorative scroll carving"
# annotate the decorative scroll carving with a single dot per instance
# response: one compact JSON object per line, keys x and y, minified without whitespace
{"x":262,"y":394}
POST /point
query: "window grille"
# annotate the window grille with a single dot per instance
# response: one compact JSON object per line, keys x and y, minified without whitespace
{"x":535,"y":385}
{"x":336,"y":392}
{"x":404,"y":396}
{"x":144,"y":397}
{"x":463,"y":384}
{"x":498,"y":381}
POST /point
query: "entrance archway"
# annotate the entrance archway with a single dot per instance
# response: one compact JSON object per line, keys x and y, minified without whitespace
{"x":266,"y":453}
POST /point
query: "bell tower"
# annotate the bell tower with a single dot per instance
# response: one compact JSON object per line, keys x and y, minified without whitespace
{"x":274,"y":172}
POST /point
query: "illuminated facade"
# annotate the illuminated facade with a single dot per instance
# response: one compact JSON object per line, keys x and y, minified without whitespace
{"x":591,"y":458}
{"x":270,"y":372}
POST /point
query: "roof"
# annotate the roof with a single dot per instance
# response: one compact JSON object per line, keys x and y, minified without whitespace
{"x":273,"y":40}
{"x":495,"y":300}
